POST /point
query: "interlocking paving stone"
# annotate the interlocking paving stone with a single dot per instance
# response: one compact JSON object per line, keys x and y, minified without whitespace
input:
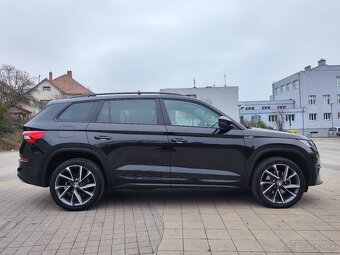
{"x":119,"y":224}
{"x":132,"y":222}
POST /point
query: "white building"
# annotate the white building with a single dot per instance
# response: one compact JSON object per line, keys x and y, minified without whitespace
{"x":314,"y":94}
{"x":50,"y":89}
{"x":223,"y":98}
{"x":268,"y":110}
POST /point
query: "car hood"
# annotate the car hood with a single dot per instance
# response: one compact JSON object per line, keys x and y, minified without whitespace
{"x":260,"y":132}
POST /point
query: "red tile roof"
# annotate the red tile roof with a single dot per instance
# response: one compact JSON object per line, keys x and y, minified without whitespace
{"x":18,"y":109}
{"x":69,"y":86}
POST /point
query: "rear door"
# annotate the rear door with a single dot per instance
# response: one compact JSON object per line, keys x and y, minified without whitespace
{"x":132,"y":136}
{"x":200,"y":154}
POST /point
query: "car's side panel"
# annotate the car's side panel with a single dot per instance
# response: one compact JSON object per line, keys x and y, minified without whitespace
{"x":206,"y":158}
{"x":135,"y":153}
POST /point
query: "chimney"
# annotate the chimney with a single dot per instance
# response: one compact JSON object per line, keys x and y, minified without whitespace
{"x":69,"y":73}
{"x":322,"y":62}
{"x":50,"y":76}
{"x":308,"y":68}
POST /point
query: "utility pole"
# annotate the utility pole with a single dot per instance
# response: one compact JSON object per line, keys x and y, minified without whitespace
{"x":194,"y":83}
{"x":303,"y":120}
{"x":225,"y":80}
{"x":331,"y":103}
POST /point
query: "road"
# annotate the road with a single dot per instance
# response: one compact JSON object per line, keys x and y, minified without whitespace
{"x":171,"y":221}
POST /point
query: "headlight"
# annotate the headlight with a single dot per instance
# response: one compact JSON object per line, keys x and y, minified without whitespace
{"x":309,"y":143}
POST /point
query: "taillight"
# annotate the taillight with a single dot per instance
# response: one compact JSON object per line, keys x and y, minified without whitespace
{"x":33,"y":136}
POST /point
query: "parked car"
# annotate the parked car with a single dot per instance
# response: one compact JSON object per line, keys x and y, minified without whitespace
{"x":334,"y":131}
{"x":85,"y":146}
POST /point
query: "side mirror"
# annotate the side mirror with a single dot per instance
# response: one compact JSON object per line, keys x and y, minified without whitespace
{"x":224,"y":123}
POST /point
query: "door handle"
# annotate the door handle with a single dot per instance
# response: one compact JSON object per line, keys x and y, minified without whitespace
{"x":102,"y":137}
{"x":178,"y":140}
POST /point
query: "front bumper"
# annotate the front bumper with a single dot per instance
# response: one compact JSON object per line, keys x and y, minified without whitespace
{"x":316,"y":180}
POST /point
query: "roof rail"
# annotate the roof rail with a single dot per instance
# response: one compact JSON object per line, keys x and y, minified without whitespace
{"x":134,"y":93}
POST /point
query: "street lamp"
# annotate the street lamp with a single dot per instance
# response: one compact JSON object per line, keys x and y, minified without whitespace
{"x":239,"y":111}
{"x":331,"y":103}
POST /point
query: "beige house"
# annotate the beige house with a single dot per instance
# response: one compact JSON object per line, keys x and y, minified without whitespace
{"x":50,"y":89}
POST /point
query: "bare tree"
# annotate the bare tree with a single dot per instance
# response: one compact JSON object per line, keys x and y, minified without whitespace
{"x":280,"y":120}
{"x":15,"y":85}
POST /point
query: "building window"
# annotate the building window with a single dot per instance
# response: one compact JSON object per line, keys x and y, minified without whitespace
{"x":338,"y":99}
{"x":281,"y":107}
{"x":265,"y":107}
{"x":46,"y":88}
{"x":312,"y":116}
{"x":272,"y":118}
{"x":311,"y":99}
{"x":296,"y":84}
{"x":326,"y":99}
{"x":255,"y":118}
{"x":277,"y":91}
{"x":290,"y":117}
{"x":327,"y":116}
{"x":338,"y":81}
{"x":191,"y":95}
{"x":339,"y":115}
{"x":289,"y":87}
{"x":282,"y":89}
{"x":249,"y":108}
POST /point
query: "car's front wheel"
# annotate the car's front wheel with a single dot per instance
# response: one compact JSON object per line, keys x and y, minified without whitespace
{"x":77,"y":184}
{"x":278,"y":182}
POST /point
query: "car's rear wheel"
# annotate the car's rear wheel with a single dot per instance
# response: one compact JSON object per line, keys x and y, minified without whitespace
{"x":77,"y":184}
{"x":278,"y":182}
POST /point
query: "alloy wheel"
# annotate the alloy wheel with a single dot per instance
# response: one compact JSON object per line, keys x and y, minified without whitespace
{"x":75,"y":185}
{"x":280,"y":183}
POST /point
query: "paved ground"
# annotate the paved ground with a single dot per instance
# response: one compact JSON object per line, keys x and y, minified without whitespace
{"x":195,"y":222}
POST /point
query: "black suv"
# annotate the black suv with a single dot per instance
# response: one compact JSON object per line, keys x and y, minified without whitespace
{"x":85,"y":146}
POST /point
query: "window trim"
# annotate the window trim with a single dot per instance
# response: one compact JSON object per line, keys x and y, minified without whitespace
{"x":311,"y":99}
{"x":46,"y":88}
{"x":167,"y":121}
{"x":327,"y":98}
{"x":160,"y":120}
{"x":326,"y":114}
{"x":95,"y":107}
{"x":337,"y":81}
{"x":312,"y":114}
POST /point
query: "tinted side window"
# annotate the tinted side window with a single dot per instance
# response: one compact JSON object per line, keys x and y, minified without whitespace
{"x":183,"y":113}
{"x":129,"y":111}
{"x":78,"y":112}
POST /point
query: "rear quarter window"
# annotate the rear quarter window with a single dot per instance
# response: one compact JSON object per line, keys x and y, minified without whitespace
{"x":78,"y":112}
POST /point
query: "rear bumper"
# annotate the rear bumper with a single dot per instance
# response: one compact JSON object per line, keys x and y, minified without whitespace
{"x":29,"y":175}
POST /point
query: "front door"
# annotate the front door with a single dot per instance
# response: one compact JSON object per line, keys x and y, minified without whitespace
{"x":200,"y":155}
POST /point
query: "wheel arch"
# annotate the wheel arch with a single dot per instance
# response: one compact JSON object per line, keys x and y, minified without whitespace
{"x":294,"y":155}
{"x":61,"y":155}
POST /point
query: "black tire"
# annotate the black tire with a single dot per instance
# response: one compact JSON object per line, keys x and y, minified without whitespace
{"x":77,"y":195}
{"x":274,"y":192}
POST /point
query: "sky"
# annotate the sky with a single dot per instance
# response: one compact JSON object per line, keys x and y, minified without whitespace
{"x":147,"y":45}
